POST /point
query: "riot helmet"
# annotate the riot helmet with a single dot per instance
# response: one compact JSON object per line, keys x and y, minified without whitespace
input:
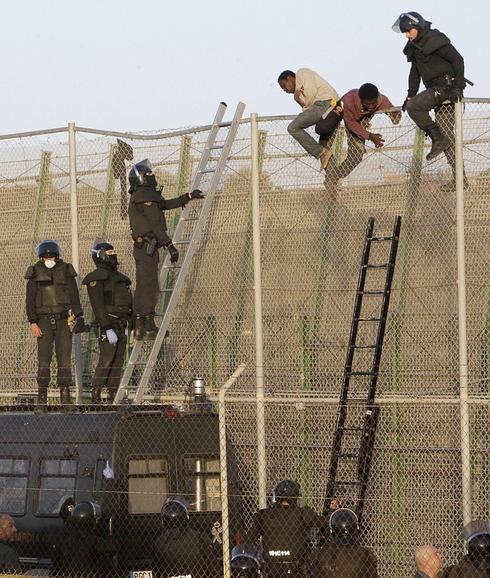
{"x":344,"y":526}
{"x":48,"y":248}
{"x":175,"y":513}
{"x":477,"y":536}
{"x":137,"y":174}
{"x":66,"y":508}
{"x":286,"y":491}
{"x":99,"y":252}
{"x":408,"y":20}
{"x":245,"y":561}
{"x":86,"y":515}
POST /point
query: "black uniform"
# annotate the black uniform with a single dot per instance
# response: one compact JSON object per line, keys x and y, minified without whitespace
{"x":467,"y":569}
{"x":111,"y":300}
{"x":50,"y":295}
{"x":84,"y":553}
{"x":344,"y":561}
{"x":9,"y":561}
{"x":436,"y":62}
{"x":183,"y":552}
{"x":149,"y":232}
{"x":285,"y":533}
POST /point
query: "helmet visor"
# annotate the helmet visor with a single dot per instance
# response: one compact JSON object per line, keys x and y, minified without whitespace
{"x":406,"y":22}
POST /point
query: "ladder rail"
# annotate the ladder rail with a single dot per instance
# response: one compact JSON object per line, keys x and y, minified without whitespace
{"x":196,"y":181}
{"x":191,"y":250}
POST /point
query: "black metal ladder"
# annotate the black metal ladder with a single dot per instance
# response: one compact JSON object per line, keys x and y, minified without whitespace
{"x":357,"y":415}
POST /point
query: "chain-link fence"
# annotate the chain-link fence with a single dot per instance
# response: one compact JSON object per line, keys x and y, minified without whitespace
{"x":312,"y":235}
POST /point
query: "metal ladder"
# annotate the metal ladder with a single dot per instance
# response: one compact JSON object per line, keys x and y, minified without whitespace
{"x":187,"y":234}
{"x":357,"y":415}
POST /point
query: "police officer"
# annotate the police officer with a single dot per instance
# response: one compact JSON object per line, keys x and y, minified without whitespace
{"x":52,"y":299}
{"x":149,"y":232}
{"x":343,"y":557}
{"x":476,"y":563}
{"x":85,"y":550}
{"x":111,"y":300}
{"x":284,"y":529}
{"x":441,"y":67}
{"x":245,"y":561}
{"x":9,"y":560}
{"x":179,"y":550}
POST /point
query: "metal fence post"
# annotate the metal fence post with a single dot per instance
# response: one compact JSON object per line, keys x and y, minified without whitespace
{"x":462,"y":338}
{"x":259,"y":346}
{"x":75,"y":255}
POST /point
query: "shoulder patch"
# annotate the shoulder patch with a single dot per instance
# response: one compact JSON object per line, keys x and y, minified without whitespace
{"x":93,"y":283}
{"x":148,"y":203}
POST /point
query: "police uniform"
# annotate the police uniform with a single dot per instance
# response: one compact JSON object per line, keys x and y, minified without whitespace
{"x":9,"y":560}
{"x":466,"y":569}
{"x":50,"y":295}
{"x":111,"y":299}
{"x":183,"y":552}
{"x":285,"y":533}
{"x":344,"y":561}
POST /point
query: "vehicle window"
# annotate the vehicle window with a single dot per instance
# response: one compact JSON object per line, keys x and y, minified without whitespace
{"x":14,"y":474}
{"x":202,"y":482}
{"x":57,"y":483}
{"x":147,"y":485}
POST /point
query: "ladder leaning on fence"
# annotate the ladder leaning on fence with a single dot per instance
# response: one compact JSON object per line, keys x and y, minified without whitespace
{"x":187,"y":234}
{"x":357,"y":414}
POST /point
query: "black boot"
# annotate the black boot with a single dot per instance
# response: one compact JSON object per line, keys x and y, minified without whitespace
{"x":95,"y":395}
{"x":42,"y":400}
{"x":440,"y":143}
{"x":139,"y":328}
{"x":151,"y":329}
{"x":65,"y":397}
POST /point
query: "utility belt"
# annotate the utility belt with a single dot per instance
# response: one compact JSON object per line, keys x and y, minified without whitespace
{"x":55,"y":316}
{"x":120,"y":323}
{"x":149,"y":243}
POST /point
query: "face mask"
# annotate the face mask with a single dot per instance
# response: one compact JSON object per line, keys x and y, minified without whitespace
{"x":151,"y":180}
{"x":49,"y":263}
{"x":112,"y":259}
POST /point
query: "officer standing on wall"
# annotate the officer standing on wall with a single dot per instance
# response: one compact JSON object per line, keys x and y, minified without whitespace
{"x":111,"y":300}
{"x":343,"y":557}
{"x":441,"y":67}
{"x":284,"y":530}
{"x":476,"y":563}
{"x":149,"y":232}
{"x":52,"y":300}
{"x":180,"y":550}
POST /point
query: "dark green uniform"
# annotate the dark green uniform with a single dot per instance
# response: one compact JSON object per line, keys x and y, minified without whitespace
{"x":110,"y":296}
{"x":344,"y":561}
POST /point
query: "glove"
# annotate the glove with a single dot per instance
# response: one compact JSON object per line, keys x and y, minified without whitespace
{"x":79,"y":325}
{"x":455,"y":93}
{"x":404,"y":105}
{"x":174,"y":254}
{"x":196,"y":194}
{"x":111,"y":336}
{"x":377,"y":139}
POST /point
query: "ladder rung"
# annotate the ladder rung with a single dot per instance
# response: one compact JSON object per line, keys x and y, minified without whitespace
{"x":215,"y":147}
{"x":190,"y":219}
{"x":347,"y":483}
{"x":360,"y":372}
{"x":204,"y":171}
{"x":172,"y":267}
{"x":180,"y":242}
{"x":362,"y":346}
{"x":367,"y":318}
{"x":371,"y":292}
{"x":349,"y":455}
{"x":376,"y":265}
{"x":357,"y":399}
{"x":381,"y":238}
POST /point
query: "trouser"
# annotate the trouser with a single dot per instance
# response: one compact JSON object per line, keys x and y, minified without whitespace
{"x":111,"y":359}
{"x":147,"y":289}
{"x":55,"y":333}
{"x":355,"y":151}
{"x":307,"y":118}
{"x":282,"y":570}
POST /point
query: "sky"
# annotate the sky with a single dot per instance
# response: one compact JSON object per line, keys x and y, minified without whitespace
{"x":161,"y":64}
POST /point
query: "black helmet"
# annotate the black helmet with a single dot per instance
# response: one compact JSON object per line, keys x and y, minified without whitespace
{"x":477,"y":535}
{"x":175,"y":513}
{"x":344,"y":526}
{"x":245,"y":560}
{"x":138,"y":172}
{"x":99,"y":249}
{"x":86,"y":514}
{"x":48,"y":248}
{"x":408,"y":20}
{"x":286,"y":491}
{"x":66,"y":508}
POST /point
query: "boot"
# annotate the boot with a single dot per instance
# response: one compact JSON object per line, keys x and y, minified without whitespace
{"x":151,"y":329}
{"x":95,"y":395}
{"x":440,"y":143}
{"x":65,"y":397}
{"x":111,"y":395}
{"x":139,"y":328}
{"x":42,"y":400}
{"x":450,"y":187}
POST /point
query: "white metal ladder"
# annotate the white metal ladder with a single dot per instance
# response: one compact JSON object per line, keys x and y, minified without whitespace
{"x":187,"y":234}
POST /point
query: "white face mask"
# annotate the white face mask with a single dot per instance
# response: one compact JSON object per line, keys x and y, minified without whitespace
{"x":49,"y":263}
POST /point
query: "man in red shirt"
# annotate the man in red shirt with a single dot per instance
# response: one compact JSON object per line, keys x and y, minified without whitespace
{"x":357,"y":107}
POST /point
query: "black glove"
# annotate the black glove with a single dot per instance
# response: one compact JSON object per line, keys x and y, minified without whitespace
{"x":196,"y":194}
{"x":174,"y":254}
{"x":79,"y":325}
{"x":404,"y":105}
{"x":455,"y":93}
